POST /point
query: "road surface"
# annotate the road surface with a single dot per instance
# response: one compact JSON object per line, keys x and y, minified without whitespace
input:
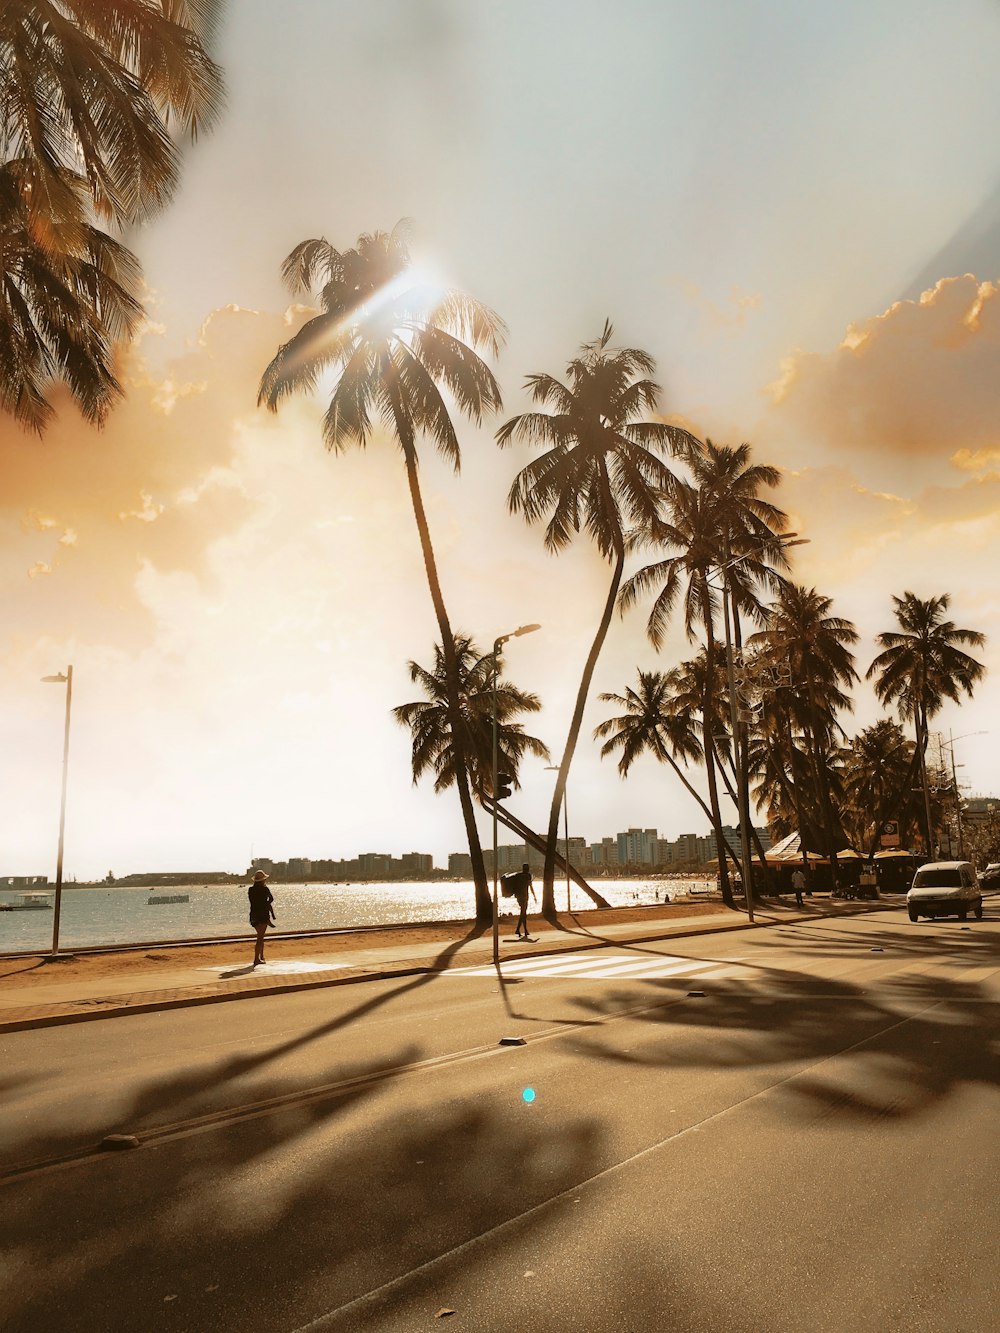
{"x":783,"y":1129}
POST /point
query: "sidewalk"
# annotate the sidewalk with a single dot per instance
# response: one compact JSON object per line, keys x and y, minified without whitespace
{"x":38,"y":1003}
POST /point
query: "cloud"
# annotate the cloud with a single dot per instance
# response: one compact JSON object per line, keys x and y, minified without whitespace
{"x":90,"y":508}
{"x":918,"y":384}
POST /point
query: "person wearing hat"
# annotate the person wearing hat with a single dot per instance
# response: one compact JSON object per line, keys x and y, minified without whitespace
{"x":261,"y":912}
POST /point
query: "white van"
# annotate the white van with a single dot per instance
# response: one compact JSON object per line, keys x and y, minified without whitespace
{"x":945,"y":888}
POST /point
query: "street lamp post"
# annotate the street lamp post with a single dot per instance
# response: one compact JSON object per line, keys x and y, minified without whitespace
{"x":66,"y":680}
{"x":554,"y":768}
{"x":497,"y":649}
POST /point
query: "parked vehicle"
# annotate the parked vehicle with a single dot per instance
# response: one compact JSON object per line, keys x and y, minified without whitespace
{"x":990,"y":877}
{"x":945,"y":888}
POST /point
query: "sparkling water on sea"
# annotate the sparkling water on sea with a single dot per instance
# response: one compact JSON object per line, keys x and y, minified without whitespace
{"x":107,"y":915}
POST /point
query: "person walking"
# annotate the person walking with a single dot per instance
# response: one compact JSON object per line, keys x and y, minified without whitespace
{"x":522,"y":887}
{"x":261,"y":912}
{"x":798,"y":884}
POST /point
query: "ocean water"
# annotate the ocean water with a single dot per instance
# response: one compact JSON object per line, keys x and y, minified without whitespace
{"x":95,"y":916}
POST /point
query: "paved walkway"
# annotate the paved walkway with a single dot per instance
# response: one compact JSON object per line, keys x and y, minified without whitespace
{"x":45,"y":1004}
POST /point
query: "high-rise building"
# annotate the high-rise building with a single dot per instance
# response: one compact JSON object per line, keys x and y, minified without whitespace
{"x":637,"y":847}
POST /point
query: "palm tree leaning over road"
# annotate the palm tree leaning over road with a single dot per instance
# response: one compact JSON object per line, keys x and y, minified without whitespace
{"x":397,"y":346}
{"x":921,"y":666}
{"x":87,"y":89}
{"x":602,"y":471}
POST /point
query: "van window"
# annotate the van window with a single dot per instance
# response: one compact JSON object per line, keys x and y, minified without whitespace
{"x":938,"y":879}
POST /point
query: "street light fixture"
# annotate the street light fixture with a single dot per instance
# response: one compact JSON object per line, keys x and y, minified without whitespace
{"x":554,"y":768}
{"x":497,"y":648}
{"x":66,"y":680}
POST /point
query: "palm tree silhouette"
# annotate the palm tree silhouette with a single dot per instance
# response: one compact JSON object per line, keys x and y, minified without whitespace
{"x":70,"y":293}
{"x":429,"y":720}
{"x":921,"y":666}
{"x":88,"y":90}
{"x":397,"y":346}
{"x":878,"y":770}
{"x":602,"y":471}
{"x":815,"y":644}
{"x":651,"y":723}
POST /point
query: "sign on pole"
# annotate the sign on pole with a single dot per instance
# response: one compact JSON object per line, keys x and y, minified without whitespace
{"x":890,"y":833}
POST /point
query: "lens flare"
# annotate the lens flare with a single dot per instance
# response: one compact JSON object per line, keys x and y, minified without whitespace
{"x":529,"y":1095}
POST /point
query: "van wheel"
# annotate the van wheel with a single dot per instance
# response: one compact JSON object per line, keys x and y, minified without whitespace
{"x":979,"y":910}
{"x":914,"y":915}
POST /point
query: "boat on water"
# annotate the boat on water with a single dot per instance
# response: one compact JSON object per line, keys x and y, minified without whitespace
{"x":30,"y":902}
{"x":167,"y":899}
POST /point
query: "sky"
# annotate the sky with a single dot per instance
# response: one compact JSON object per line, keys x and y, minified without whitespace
{"x":795,"y":209}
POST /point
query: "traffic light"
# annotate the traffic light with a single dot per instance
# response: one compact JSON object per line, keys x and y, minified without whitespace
{"x":504,"y":781}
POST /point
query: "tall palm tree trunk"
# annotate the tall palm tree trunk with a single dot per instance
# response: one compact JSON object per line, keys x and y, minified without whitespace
{"x":708,"y":745}
{"x":483,"y":898}
{"x":552,"y":836}
{"x":920,"y":727}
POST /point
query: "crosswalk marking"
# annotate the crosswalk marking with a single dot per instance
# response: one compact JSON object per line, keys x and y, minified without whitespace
{"x":606,"y":967}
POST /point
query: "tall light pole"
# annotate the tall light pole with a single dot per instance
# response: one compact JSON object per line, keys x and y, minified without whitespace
{"x":554,"y":768}
{"x":497,"y":649}
{"x":66,"y":680}
{"x":785,"y":540}
{"x":954,"y":787}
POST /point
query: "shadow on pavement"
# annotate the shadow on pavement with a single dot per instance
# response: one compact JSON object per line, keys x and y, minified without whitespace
{"x":912,"y":1040}
{"x":273,"y":1221}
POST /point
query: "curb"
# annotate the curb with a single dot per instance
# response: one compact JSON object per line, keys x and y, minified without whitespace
{"x":173,"y":1000}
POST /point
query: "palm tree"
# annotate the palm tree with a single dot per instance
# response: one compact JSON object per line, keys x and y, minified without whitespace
{"x":878,"y":771}
{"x":90,"y":93}
{"x":816,"y":645}
{"x":95,"y":86}
{"x":397,"y":346}
{"x":921,"y":666}
{"x":430,"y":727}
{"x":709,"y":528}
{"x":429,"y":720}
{"x":651,"y":724}
{"x":69,"y":294}
{"x":602,"y":471}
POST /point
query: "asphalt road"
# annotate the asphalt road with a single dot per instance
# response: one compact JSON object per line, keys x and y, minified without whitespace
{"x":809,"y":1144}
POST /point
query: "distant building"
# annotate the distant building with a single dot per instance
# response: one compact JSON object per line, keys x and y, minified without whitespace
{"x":604,"y":853}
{"x":299,"y":867}
{"x":637,"y":847}
{"x":23,"y":881}
{"x":460,"y":863}
{"x":421,"y":863}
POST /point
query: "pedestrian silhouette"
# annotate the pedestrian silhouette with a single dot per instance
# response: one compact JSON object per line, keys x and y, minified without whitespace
{"x":261,"y":912}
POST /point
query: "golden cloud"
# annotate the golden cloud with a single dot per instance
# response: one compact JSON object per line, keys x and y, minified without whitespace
{"x":920,"y":381}
{"x":88,"y":509}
